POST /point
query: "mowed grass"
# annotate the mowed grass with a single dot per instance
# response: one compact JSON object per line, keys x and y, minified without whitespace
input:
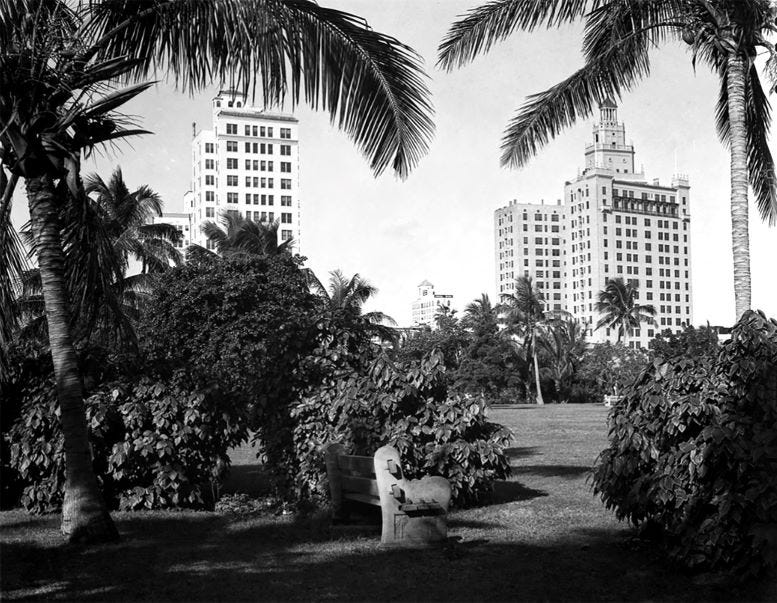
{"x":544,"y":538}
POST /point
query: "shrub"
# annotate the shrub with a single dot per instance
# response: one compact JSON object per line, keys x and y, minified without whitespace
{"x":405,"y":405}
{"x":693,"y":453}
{"x":155,"y":445}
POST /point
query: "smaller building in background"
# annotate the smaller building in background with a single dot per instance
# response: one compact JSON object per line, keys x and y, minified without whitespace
{"x":182,"y":221}
{"x":428,"y":303}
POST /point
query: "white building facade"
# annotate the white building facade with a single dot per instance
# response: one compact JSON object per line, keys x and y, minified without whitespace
{"x":428,"y":303}
{"x":247,"y":164}
{"x":614,"y":224}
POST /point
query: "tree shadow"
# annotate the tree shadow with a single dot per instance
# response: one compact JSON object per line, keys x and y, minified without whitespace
{"x":512,"y":491}
{"x":565,"y":471}
{"x":522,"y":452}
{"x":215,"y":558}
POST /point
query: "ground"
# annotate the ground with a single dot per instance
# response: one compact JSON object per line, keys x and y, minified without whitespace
{"x":545,"y":537}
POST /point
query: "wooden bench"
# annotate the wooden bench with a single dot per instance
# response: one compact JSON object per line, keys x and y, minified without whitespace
{"x":413,"y":511}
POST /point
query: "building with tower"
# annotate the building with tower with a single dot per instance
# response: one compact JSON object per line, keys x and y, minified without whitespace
{"x":247,"y":164}
{"x":616,"y":224}
{"x":428,"y":303}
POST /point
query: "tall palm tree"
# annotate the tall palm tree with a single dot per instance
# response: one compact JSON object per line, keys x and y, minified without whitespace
{"x":127,"y":217}
{"x":238,"y":236}
{"x":344,"y":299}
{"x":619,"y":309}
{"x":525,"y":316}
{"x":725,"y":34}
{"x":58,"y":63}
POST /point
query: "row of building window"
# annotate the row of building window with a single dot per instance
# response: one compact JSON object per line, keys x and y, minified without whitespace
{"x":262,"y":131}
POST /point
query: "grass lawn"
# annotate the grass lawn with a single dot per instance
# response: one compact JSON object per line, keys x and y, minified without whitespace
{"x":544,"y":538}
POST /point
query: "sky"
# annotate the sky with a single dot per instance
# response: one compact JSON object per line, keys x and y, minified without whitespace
{"x":438,"y":223}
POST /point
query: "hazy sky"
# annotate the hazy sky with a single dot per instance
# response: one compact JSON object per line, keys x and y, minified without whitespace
{"x":438,"y":224}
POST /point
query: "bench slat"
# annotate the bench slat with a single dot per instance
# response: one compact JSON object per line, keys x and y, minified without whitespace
{"x":360,"y":485}
{"x":423,"y":508}
{"x":357,"y":464}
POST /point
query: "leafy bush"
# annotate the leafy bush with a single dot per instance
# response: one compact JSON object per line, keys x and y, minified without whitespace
{"x":693,"y":453}
{"x":155,"y":445}
{"x":243,"y":324}
{"x":366,"y":402}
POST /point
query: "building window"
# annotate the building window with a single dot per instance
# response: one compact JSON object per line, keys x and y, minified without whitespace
{"x":209,"y":148}
{"x":231,"y":128}
{"x":286,"y":218}
{"x":210,"y":212}
{"x":210,"y":196}
{"x":231,"y":197}
{"x":285,"y":183}
{"x":210,"y":180}
{"x":269,"y":133}
{"x":231,"y":180}
{"x":231,"y":163}
{"x":285,"y":132}
{"x":285,"y":149}
{"x":286,"y":166}
{"x":286,"y":200}
{"x":231,"y":146}
{"x":210,"y":164}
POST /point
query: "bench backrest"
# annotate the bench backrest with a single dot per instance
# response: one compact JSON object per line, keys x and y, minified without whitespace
{"x":351,"y":476}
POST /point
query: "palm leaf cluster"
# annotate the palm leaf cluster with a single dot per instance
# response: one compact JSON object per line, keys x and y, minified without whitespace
{"x":236,"y":235}
{"x":343,"y":301}
{"x":619,"y":310}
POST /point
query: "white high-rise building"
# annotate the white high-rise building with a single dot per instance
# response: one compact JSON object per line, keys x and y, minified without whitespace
{"x":247,"y":164}
{"x":182,"y":223}
{"x":612,"y":223}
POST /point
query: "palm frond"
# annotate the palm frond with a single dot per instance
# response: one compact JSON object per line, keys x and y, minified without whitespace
{"x":373,"y":87}
{"x":482,"y":27}
{"x":547,"y":113}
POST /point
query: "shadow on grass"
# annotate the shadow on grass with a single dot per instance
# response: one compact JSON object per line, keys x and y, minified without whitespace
{"x":216,"y":558}
{"x":519,"y":453}
{"x":567,"y":471}
{"x":510,"y":491}
{"x":251,"y":479}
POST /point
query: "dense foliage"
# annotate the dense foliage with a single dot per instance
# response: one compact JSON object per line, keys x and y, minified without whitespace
{"x":365,"y":400}
{"x":606,"y":369}
{"x":691,"y":341}
{"x":693,"y":452}
{"x":155,"y":444}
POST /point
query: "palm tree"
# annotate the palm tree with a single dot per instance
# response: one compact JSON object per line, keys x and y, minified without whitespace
{"x":525,"y":316}
{"x":481,"y":317}
{"x":619,"y":308}
{"x":343,"y":300}
{"x":127,"y":217}
{"x":725,"y":34}
{"x":58,"y":63}
{"x":562,"y":345}
{"x":240,"y":236}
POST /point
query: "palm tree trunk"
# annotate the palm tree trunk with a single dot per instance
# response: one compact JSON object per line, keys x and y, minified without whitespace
{"x":540,"y":401}
{"x":735,"y":84}
{"x":84,"y":515}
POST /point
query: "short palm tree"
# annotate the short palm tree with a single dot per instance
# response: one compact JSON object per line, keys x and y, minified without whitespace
{"x":481,"y":316}
{"x":725,"y":34}
{"x":619,"y":309}
{"x":561,"y":345}
{"x":344,"y":299}
{"x":239,"y":236}
{"x":127,"y":218}
{"x":59,"y":63}
{"x":525,"y":316}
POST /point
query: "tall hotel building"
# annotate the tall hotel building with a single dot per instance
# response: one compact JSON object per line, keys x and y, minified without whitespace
{"x":248,"y":164}
{"x":612,"y":223}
